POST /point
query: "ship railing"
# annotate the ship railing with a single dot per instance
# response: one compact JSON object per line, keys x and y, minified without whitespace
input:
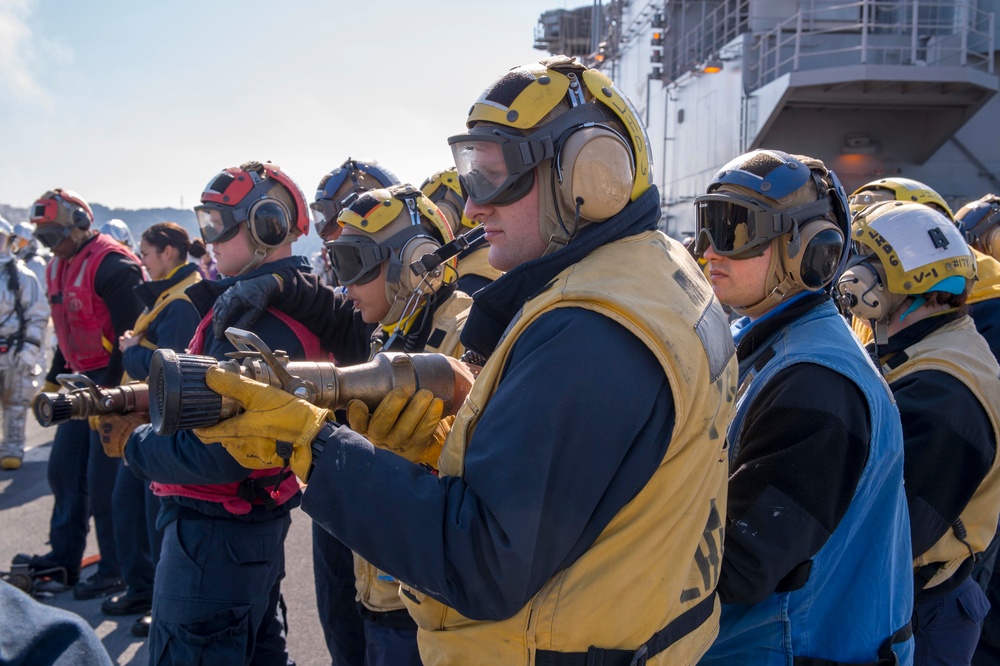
{"x":714,"y":30}
{"x":874,"y":32}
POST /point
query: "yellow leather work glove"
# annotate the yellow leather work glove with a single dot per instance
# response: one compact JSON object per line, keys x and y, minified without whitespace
{"x":115,"y":429}
{"x":272,"y":420}
{"x":409,"y":427}
{"x":50,"y":387}
{"x":95,"y":424}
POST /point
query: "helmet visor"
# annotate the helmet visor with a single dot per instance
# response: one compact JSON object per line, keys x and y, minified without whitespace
{"x":51,"y":235}
{"x":216,"y":223}
{"x":736,"y":226}
{"x":497,"y":168}
{"x":355,"y":259}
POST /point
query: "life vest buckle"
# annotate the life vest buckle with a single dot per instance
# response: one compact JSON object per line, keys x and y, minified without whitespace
{"x":640,"y":656}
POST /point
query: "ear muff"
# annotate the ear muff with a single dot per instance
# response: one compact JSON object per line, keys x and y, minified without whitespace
{"x":411,"y":251}
{"x":268,"y":222}
{"x":813,"y":257}
{"x":595,"y":169}
{"x":80,"y":218}
{"x":991,"y":242}
{"x":863,"y":290}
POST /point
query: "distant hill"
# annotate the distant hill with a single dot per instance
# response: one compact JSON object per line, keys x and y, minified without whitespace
{"x":140,"y":220}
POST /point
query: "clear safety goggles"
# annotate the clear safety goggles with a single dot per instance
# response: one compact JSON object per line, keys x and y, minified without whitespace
{"x":51,"y":235}
{"x":356,"y":259}
{"x":497,"y":168}
{"x":218,"y":223}
{"x":868,"y":197}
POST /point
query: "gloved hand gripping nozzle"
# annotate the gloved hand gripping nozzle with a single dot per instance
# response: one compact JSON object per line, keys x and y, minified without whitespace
{"x":179,"y":398}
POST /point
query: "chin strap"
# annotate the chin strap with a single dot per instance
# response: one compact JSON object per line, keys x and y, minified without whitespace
{"x":258,"y":258}
{"x":784,"y":289}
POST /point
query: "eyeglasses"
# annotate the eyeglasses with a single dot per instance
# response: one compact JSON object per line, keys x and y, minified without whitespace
{"x":356,"y":259}
{"x":50,"y":235}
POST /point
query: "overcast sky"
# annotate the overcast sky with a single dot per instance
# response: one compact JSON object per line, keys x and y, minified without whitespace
{"x":137,"y":104}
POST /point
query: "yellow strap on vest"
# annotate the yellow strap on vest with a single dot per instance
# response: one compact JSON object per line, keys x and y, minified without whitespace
{"x":170,"y":295}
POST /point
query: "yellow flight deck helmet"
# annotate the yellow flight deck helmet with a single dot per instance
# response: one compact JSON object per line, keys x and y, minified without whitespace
{"x":399,"y":225}
{"x":445,"y":191}
{"x":902,"y":250}
{"x":566,"y":123}
{"x":898,"y":189}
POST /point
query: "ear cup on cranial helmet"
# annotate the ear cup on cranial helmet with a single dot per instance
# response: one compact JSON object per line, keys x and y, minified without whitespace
{"x":862,"y":289}
{"x":412,"y":251}
{"x":596,"y":166}
{"x":268,"y":222}
{"x":812,"y":259}
{"x":80,"y":218}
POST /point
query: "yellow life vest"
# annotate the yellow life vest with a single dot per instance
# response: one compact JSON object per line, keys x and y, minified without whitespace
{"x":377,"y":590}
{"x":660,"y":555}
{"x":960,"y":351}
{"x":147,"y":316}
{"x":987,"y":283}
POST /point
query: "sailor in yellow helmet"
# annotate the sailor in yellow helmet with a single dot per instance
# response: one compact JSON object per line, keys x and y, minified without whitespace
{"x":474,"y":270}
{"x":984,"y":299}
{"x":910,"y":280}
{"x":577,"y":514}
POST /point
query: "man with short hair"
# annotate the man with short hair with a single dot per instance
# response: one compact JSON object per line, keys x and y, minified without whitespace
{"x":816,"y":560}
{"x":583,"y":481}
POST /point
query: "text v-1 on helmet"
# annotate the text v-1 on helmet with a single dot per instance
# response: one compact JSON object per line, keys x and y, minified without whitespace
{"x":902,"y":250}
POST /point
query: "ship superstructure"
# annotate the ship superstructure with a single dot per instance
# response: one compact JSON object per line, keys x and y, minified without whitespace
{"x":873,"y":88}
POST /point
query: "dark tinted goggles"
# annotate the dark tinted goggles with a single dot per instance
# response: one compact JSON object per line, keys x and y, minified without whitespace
{"x":356,"y":259}
{"x":51,"y":235}
{"x":736,"y":226}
